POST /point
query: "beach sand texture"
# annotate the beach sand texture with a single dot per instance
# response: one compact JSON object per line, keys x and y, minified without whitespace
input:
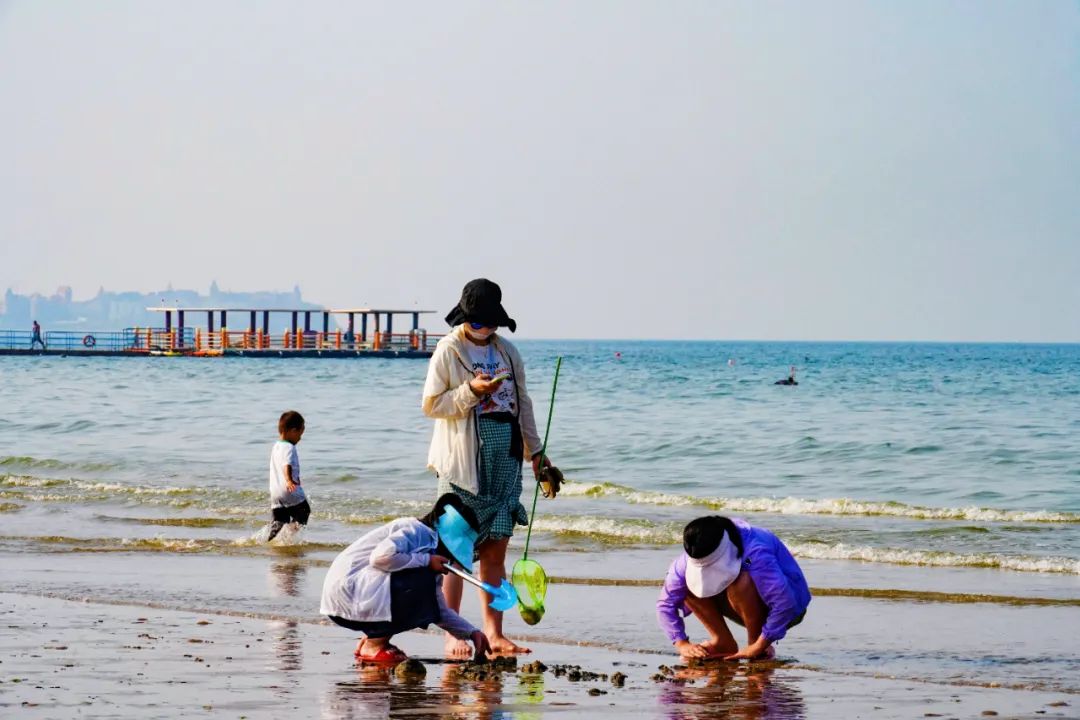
{"x":64,"y":658}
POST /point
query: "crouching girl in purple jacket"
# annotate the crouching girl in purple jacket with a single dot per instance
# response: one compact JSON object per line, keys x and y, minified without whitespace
{"x":731,"y":569}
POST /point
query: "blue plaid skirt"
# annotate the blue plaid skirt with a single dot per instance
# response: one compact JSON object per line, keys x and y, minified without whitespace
{"x":498,"y":504}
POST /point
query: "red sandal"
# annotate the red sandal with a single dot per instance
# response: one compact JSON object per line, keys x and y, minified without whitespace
{"x":389,"y":655}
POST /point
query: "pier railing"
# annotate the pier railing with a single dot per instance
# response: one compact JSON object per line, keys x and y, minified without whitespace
{"x":201,"y":342}
{"x":217,"y":341}
{"x":16,"y":339}
{"x":129,"y":339}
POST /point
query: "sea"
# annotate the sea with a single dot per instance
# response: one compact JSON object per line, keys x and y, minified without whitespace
{"x":930,"y":491}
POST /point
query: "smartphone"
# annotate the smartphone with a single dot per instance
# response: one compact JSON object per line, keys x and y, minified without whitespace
{"x":500,"y":377}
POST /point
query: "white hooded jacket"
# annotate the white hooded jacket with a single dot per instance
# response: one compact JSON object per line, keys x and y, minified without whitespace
{"x":455,"y":444}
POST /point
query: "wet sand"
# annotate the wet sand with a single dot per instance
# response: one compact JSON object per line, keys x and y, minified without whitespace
{"x":62,"y":658}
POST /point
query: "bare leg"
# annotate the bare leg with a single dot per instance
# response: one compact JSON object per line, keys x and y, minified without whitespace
{"x":711,"y":614}
{"x":742,"y":595}
{"x":493,"y":571}
{"x":451,"y":588}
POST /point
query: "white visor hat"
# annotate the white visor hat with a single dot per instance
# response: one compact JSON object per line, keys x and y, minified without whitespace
{"x":712,"y":574}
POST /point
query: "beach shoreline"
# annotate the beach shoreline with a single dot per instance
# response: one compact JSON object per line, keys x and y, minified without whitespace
{"x":61,"y":658}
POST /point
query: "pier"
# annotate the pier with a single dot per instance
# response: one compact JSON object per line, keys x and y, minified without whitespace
{"x":243,"y":332}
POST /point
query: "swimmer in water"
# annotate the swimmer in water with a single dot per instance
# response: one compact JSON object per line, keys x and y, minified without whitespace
{"x":790,"y":378}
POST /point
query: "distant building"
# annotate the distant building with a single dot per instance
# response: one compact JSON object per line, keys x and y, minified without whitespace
{"x":119,"y":310}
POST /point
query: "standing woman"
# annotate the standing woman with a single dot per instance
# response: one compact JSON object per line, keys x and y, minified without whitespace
{"x":484,"y":429}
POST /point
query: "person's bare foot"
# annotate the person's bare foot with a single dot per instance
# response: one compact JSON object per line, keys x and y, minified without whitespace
{"x":717,"y":649}
{"x":502,"y":645}
{"x":359,"y":647}
{"x":457,"y":649}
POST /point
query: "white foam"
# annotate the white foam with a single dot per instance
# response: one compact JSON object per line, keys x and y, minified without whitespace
{"x":604,"y":528}
{"x":824,"y":506}
{"x":893,"y":556}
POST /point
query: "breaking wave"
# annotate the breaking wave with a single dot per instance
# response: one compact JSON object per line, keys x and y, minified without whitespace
{"x":826,"y":506}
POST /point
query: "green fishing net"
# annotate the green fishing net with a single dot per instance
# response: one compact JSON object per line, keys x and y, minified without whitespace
{"x":530,"y":582}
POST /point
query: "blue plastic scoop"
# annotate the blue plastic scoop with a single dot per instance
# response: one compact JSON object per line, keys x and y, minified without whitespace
{"x":503,"y":597}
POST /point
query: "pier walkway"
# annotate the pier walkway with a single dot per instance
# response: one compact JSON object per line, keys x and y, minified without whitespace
{"x":372,"y":336}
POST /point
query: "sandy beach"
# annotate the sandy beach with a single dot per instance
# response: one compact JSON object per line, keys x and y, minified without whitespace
{"x":62,"y":658}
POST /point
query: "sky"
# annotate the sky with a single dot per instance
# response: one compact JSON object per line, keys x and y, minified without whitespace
{"x":623,"y":169}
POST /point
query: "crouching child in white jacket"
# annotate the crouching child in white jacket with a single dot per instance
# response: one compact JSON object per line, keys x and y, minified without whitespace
{"x":390,"y":580}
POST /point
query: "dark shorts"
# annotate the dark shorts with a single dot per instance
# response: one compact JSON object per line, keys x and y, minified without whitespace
{"x":413,"y":604}
{"x":297,"y":513}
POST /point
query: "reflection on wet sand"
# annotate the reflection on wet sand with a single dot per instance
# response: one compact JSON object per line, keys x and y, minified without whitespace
{"x":480,"y":699}
{"x":748,"y":692}
{"x":378,"y":692}
{"x":288,"y":646}
{"x":286,"y":576}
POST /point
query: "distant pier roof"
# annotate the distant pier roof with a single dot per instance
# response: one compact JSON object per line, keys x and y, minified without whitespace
{"x":163,"y":308}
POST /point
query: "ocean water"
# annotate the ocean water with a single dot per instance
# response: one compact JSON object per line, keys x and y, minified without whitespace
{"x":894,"y":468}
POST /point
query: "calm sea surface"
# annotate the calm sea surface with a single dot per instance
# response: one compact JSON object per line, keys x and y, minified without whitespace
{"x":932,"y":454}
{"x":926,"y":467}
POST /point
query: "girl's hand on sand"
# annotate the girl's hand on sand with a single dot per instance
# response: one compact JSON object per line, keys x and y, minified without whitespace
{"x":438,"y":563}
{"x":480,"y":643}
{"x":691,"y":650}
{"x":482,"y":385}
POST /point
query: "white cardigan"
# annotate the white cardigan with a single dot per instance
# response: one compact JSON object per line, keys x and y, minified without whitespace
{"x":357,"y":585}
{"x":449,"y":399}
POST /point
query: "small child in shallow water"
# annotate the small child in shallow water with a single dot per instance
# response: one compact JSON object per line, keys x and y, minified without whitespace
{"x":390,"y":580}
{"x":730,"y":569}
{"x":288,"y":501}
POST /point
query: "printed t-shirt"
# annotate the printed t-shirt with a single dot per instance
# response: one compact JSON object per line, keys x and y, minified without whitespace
{"x":486,"y":359}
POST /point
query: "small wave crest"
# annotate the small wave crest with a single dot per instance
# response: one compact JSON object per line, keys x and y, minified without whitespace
{"x":610,"y":531}
{"x":242,"y":545}
{"x":28,"y":462}
{"x":931,"y":558}
{"x":824,"y":506}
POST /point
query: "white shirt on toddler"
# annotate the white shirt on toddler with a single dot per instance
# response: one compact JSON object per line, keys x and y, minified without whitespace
{"x":284,"y":453}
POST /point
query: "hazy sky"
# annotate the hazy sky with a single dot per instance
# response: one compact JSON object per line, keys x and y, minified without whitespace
{"x":825,"y":170}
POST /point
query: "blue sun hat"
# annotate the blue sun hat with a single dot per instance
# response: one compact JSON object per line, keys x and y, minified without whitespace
{"x":457,"y":535}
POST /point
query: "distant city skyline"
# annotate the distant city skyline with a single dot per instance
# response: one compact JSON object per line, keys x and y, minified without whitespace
{"x":116,"y":310}
{"x":780,"y":171}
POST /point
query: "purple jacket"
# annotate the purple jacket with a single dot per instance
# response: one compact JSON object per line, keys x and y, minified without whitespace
{"x":776,"y":575}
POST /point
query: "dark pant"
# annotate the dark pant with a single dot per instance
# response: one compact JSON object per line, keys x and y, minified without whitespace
{"x":413,"y":604}
{"x":284,"y":515}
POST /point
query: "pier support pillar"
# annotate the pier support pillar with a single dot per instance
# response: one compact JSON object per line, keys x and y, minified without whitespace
{"x":416,"y":321}
{"x":180,"y":327}
{"x":209,"y":323}
{"x":363,"y":328}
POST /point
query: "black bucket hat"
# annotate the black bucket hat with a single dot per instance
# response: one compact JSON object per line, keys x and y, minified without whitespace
{"x":481,"y":302}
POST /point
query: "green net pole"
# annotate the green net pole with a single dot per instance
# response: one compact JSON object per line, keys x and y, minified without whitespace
{"x":543,"y":454}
